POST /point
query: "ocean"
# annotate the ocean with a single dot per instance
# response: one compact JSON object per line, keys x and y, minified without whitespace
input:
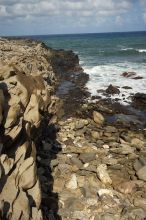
{"x":105,"y":57}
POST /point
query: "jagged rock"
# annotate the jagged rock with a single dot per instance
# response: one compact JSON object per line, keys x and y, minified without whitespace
{"x":1,"y":104}
{"x":28,"y":168}
{"x":7,"y":163}
{"x":21,"y":153}
{"x":32,"y":114}
{"x":112,"y":90}
{"x":12,"y":116}
{"x":72,"y":183}
{"x":98,"y":118}
{"x":9,"y":191}
{"x":35,"y":193}
{"x":21,"y":208}
{"x":103,"y":174}
{"x":36,"y":214}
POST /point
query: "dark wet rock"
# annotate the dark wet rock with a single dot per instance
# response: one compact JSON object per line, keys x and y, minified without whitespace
{"x":112,"y":90}
{"x":127,"y":119}
{"x":139,"y":100}
{"x":138,"y":77}
{"x":127,"y":87}
{"x":129,"y":74}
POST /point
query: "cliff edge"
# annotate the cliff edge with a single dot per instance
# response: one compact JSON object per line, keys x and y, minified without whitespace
{"x":29,"y":73}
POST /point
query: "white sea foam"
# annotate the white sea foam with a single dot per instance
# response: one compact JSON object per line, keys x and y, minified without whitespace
{"x":142,"y":50}
{"x":138,"y":50}
{"x":81,"y":62}
{"x":103,"y":75}
{"x":125,"y":49}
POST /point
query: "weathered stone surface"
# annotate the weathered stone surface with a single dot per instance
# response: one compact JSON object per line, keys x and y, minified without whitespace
{"x":140,"y":202}
{"x":28,"y":168}
{"x":72,"y":183}
{"x":86,"y":169}
{"x":7,"y":163}
{"x":87,"y":157}
{"x":126,"y":187}
{"x":27,"y":76}
{"x":141,"y":173}
{"x":98,"y":118}
{"x":103,"y":174}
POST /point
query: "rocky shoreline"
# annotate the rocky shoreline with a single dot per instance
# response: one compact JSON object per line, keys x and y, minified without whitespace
{"x":62,"y":157}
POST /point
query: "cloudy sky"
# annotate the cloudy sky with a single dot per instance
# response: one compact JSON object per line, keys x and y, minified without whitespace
{"x":29,"y":17}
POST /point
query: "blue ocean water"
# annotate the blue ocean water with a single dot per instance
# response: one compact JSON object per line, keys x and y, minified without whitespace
{"x":106,"y":56}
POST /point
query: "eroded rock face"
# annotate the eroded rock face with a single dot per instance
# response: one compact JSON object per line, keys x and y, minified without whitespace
{"x":26,"y":79}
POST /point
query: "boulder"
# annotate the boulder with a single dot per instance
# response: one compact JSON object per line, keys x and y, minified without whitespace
{"x":103,"y":175}
{"x":98,"y":118}
{"x":129,"y":74}
{"x":141,"y":173}
{"x":139,"y":99}
{"x":112,"y":90}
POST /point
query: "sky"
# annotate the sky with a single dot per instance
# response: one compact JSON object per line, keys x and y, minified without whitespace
{"x":38,"y":17}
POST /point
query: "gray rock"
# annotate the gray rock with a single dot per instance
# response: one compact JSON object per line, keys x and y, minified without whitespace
{"x":141,"y":173}
{"x":123,"y":150}
{"x":77,"y":162}
{"x":137,"y":165}
{"x":87,"y":157}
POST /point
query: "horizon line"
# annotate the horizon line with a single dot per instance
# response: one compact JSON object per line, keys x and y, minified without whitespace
{"x":31,"y":35}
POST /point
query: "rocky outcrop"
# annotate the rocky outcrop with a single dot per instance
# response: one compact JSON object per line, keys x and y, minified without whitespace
{"x":112,"y":90}
{"x":27,"y":107}
{"x":131,"y":75}
{"x":139,"y":100}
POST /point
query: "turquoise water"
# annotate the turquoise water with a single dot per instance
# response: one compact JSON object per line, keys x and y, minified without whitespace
{"x":106,"y":56}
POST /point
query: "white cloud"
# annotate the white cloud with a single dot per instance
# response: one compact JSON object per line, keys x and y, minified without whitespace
{"x":119,"y":20}
{"x":69,"y":14}
{"x":23,"y":8}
